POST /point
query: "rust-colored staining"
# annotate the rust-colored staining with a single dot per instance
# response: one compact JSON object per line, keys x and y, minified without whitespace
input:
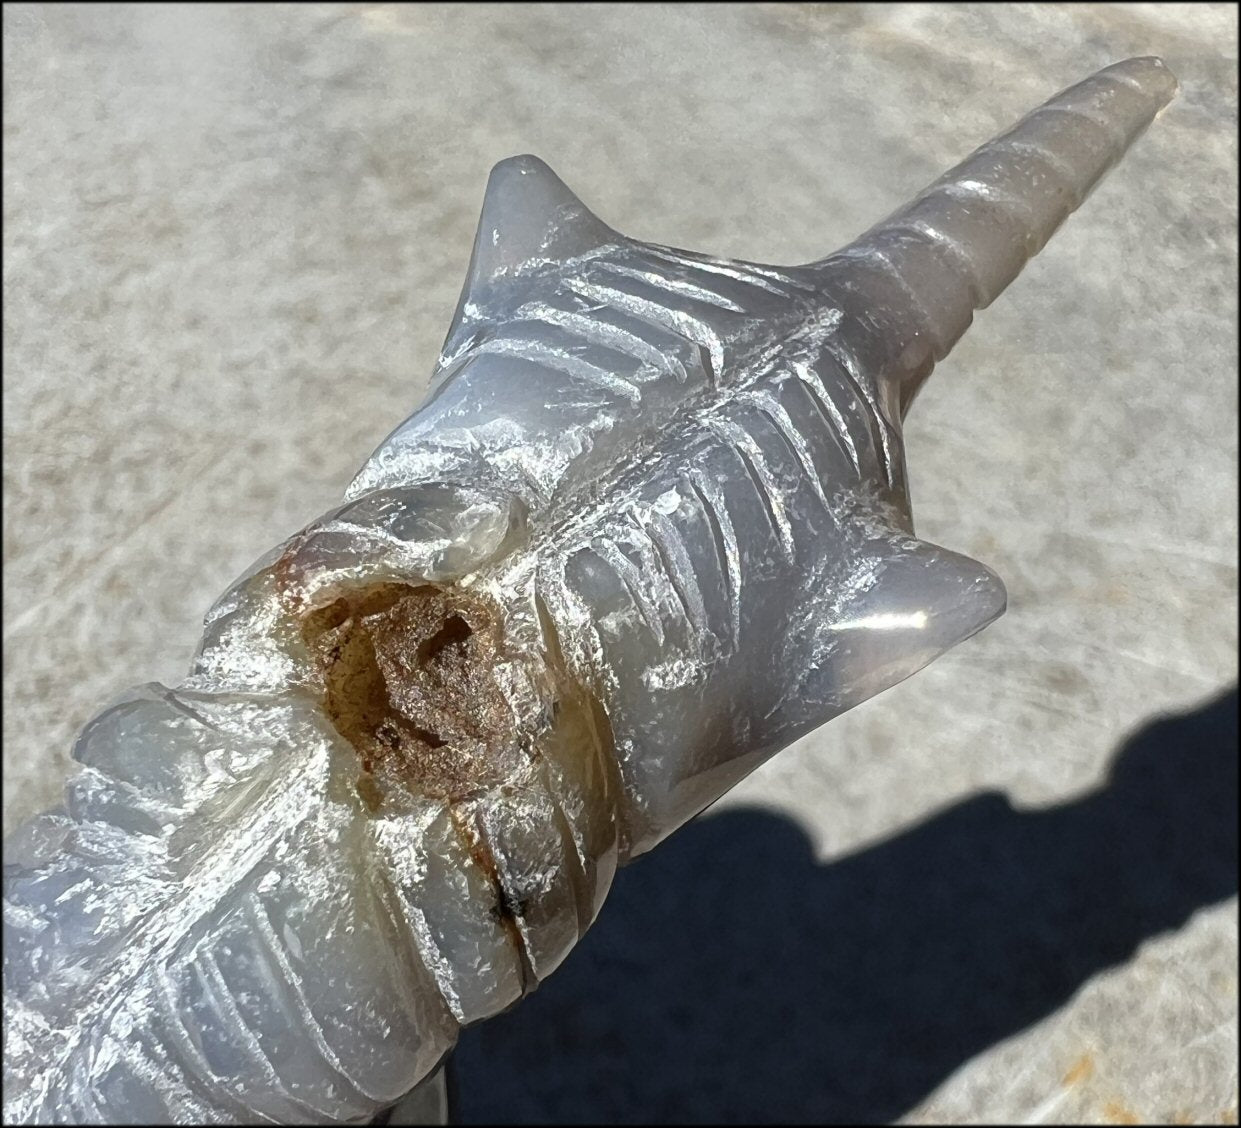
{"x":505,"y":910}
{"x":1081,"y":1070}
{"x":371,"y":793}
{"x":1116,"y":1113}
{"x":408,"y":679}
{"x":285,"y":574}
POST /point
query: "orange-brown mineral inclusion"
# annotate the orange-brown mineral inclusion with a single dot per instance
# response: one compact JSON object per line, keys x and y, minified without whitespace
{"x":408,"y":680}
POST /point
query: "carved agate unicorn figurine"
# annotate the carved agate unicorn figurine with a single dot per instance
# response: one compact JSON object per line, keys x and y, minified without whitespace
{"x":650,"y":525}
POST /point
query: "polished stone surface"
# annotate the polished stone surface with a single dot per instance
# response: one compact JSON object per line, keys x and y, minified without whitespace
{"x":1004,"y":890}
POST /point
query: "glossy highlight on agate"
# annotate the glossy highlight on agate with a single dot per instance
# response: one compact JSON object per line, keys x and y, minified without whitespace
{"x":650,"y":525}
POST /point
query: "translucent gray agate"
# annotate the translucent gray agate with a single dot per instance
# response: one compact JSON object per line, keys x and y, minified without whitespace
{"x":650,"y":525}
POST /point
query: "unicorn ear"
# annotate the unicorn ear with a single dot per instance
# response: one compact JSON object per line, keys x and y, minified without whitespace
{"x":923,"y":601}
{"x":530,"y":216}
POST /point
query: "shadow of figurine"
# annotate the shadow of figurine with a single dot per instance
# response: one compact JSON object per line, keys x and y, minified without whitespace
{"x":732,"y":978}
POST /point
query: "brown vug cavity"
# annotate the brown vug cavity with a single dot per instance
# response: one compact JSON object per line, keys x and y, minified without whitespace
{"x":407,"y":677}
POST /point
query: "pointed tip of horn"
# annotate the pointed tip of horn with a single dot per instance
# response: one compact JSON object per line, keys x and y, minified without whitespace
{"x":956,"y":246}
{"x":1149,"y":74}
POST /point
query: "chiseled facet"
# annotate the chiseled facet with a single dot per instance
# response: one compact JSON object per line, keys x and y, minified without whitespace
{"x":650,"y":525}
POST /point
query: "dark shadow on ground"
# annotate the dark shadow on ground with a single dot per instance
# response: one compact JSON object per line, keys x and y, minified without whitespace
{"x":732,"y":978}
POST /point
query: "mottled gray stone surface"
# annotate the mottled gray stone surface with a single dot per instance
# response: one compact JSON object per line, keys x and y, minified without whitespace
{"x":233,"y":240}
